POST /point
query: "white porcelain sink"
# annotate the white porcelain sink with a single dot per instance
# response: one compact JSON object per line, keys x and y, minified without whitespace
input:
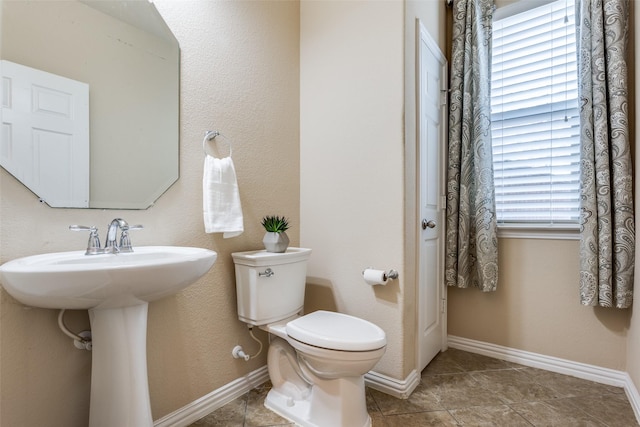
{"x":116,"y":289}
{"x":73,"y":280}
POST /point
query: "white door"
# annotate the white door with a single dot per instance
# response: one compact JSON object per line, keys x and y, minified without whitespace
{"x":45,"y":134}
{"x":432,"y":91}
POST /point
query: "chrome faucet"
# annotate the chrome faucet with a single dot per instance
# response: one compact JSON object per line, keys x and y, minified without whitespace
{"x":111,"y":245}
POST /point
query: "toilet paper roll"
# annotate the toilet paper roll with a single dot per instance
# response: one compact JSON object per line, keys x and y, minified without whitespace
{"x":375,"y":277}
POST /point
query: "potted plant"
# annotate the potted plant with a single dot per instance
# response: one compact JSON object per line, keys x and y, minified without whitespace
{"x":275,"y":238}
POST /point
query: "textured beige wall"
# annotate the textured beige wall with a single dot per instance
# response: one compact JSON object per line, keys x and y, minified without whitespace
{"x":536,"y":307}
{"x":240,"y":74}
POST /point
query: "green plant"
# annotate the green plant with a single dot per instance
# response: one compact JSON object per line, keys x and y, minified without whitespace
{"x":275,"y":224}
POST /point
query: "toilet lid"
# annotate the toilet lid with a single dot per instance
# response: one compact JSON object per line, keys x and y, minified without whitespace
{"x":336,"y":331}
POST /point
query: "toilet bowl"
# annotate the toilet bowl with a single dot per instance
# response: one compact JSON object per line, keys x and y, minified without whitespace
{"x":316,"y":362}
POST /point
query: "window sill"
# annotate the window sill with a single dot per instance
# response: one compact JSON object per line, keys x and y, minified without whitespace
{"x":532,"y":231}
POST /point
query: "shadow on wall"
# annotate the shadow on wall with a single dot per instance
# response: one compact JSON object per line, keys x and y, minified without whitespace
{"x":611,"y":318}
{"x":319,"y":295}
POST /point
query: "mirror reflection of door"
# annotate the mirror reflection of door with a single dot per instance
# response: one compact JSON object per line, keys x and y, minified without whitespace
{"x":129,"y":58}
{"x":45,"y":134}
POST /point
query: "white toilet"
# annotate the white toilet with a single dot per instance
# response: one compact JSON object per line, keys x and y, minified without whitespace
{"x":316,"y":362}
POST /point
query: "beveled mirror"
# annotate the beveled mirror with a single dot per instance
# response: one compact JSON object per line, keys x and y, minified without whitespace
{"x":128,"y":57}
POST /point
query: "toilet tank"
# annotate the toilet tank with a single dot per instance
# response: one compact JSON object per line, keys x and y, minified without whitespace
{"x":270,"y":286}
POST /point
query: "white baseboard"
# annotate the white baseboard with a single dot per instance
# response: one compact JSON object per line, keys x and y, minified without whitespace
{"x":554,"y":364}
{"x":401,"y":389}
{"x":216,"y":399}
{"x":633,"y":396}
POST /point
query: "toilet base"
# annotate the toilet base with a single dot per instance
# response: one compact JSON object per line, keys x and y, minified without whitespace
{"x":295,"y":411}
{"x":330,"y":408}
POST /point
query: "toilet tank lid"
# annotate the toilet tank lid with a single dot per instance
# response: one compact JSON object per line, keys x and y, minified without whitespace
{"x":336,"y":331}
{"x":262,"y":257}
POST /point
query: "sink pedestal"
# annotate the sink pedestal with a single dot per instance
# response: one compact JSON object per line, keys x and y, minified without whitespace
{"x":119,"y":385}
{"x":116,"y":289}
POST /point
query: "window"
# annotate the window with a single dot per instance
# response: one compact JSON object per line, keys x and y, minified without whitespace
{"x":535,"y":118}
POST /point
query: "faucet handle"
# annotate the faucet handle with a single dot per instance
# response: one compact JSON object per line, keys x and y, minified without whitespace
{"x":93,"y":245}
{"x":125,"y":240}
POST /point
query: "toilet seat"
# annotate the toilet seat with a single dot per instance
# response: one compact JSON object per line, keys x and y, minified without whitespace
{"x":336,"y":331}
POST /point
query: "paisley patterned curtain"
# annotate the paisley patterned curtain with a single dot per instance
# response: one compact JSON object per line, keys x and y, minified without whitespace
{"x":607,"y":233}
{"x":471,"y":257}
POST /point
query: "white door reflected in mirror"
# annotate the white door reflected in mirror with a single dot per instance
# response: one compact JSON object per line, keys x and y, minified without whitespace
{"x":45,"y":138}
{"x":128,"y":56}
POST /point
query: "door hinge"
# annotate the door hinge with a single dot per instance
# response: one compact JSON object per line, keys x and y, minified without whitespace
{"x":444,"y":96}
{"x":443,"y":306}
{"x":442,"y":203}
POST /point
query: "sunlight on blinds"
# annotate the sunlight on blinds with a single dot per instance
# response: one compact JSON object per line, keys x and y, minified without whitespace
{"x":535,"y":120}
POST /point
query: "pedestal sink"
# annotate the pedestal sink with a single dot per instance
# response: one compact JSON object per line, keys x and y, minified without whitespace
{"x":116,"y":289}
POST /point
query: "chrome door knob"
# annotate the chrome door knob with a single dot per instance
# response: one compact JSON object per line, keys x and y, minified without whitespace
{"x":428,"y":224}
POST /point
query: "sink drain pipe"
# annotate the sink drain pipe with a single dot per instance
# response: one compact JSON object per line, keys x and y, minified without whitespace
{"x":82,"y":340}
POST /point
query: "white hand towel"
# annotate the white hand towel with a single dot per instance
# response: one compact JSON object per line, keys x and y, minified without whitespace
{"x":221,"y":198}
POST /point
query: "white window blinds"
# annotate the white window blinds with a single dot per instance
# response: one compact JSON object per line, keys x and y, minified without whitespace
{"x":535,"y":120}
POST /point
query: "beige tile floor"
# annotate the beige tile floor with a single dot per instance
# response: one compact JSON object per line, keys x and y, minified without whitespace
{"x":466,"y":389}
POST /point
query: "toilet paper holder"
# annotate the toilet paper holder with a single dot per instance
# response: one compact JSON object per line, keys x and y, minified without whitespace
{"x":388,"y":275}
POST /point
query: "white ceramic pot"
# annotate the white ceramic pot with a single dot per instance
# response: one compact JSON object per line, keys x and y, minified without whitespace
{"x":276,"y":242}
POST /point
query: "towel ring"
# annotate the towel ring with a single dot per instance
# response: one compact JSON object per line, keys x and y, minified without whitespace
{"x":210,"y":135}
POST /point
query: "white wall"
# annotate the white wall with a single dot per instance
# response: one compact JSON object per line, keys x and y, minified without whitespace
{"x":354,"y":74}
{"x":351,"y":147}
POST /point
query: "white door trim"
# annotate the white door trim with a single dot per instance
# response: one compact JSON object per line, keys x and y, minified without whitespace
{"x":424,"y":40}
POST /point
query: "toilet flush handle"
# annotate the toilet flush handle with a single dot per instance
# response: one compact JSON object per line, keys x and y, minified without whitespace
{"x":267,"y":273}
